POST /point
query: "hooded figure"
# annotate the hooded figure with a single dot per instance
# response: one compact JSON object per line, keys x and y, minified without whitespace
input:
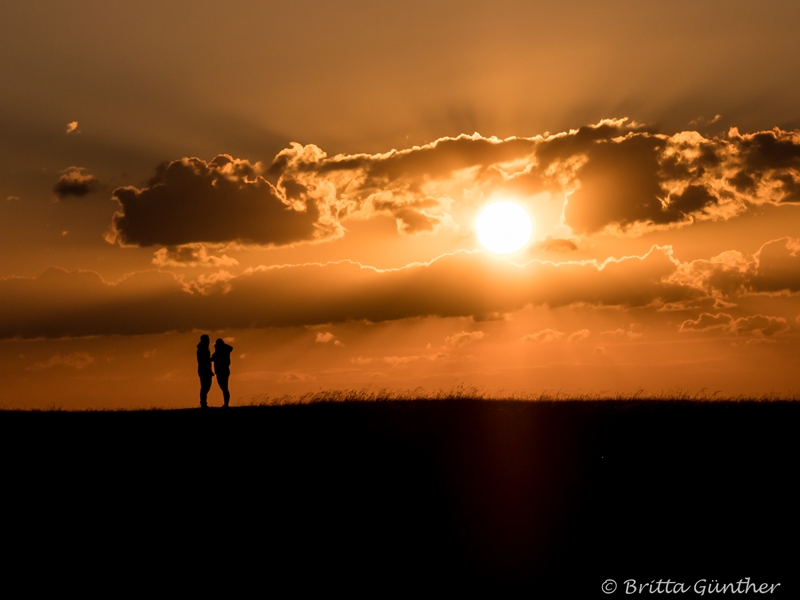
{"x":204,"y":368}
{"x":222,"y":367}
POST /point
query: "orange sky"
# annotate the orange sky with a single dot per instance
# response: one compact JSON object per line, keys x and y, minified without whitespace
{"x":304,"y":180}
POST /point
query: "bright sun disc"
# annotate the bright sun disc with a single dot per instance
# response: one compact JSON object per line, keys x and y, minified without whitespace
{"x":504,"y":227}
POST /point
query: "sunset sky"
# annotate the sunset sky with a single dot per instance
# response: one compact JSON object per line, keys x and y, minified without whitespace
{"x":303,"y":179}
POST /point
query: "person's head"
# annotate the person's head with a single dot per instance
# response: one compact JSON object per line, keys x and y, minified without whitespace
{"x":220,"y":342}
{"x":204,"y":339}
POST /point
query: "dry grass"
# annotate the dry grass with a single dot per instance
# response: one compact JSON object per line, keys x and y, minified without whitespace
{"x":463,"y":392}
{"x":460,"y":392}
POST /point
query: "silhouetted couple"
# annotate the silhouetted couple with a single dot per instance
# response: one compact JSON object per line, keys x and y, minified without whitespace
{"x":222,"y":368}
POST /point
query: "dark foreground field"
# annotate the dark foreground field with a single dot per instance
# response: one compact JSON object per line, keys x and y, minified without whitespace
{"x":540,"y":499}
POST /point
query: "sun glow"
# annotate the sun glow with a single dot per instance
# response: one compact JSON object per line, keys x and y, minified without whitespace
{"x":504,"y":227}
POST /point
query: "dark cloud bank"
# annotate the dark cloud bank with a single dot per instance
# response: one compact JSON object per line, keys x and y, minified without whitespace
{"x":614,"y":174}
{"x":476,"y":284}
{"x":224,"y":200}
{"x":61,"y":303}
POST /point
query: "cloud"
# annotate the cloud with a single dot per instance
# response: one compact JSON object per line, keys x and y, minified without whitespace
{"x":561,"y":245}
{"x":74,"y":182}
{"x":323,"y":338}
{"x":76,"y":360}
{"x":191,"y":201}
{"x":759,"y":325}
{"x":61,"y":303}
{"x":756,"y":325}
{"x":704,"y":121}
{"x":614,"y":332}
{"x":639,"y":180}
{"x":190,"y":255}
{"x":769,"y":163}
{"x":404,"y":184}
{"x":707,"y":321}
{"x":12,"y":199}
{"x":295,"y":377}
{"x":620,"y":332}
{"x":616,"y":184}
{"x":398,"y":361}
{"x":777,"y":266}
{"x":613,"y":176}
{"x":451,"y":169}
{"x":579,"y":335}
{"x":490,"y":316}
{"x":774,"y":268}
{"x":208,"y":284}
{"x":463,"y":338}
{"x":72,"y":127}
{"x":545,"y":335}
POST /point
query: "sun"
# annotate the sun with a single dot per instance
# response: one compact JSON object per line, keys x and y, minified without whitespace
{"x":504,"y":227}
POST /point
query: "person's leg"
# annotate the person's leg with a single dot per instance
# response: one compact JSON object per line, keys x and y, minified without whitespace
{"x":205,"y":386}
{"x":222,"y":380}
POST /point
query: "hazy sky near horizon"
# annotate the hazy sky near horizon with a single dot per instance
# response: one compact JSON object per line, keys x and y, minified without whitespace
{"x":303,"y":179}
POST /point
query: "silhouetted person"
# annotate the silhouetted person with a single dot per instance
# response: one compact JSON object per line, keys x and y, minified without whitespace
{"x":222,"y":367}
{"x":204,"y":369}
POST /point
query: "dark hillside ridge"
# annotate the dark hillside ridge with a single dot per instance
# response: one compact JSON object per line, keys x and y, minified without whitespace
{"x":544,"y":499}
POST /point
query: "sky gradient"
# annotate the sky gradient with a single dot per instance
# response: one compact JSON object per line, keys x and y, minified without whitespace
{"x":303,"y":179}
